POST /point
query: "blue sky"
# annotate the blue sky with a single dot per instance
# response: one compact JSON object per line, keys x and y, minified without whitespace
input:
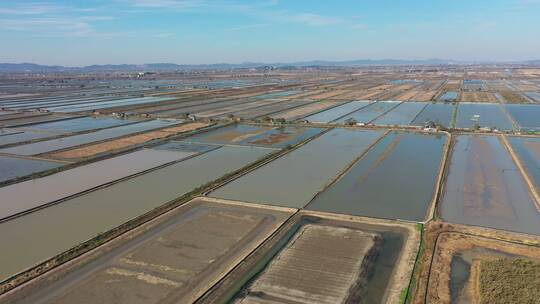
{"x":210,"y":31}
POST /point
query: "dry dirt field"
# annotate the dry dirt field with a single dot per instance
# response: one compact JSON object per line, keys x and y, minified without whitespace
{"x":173,"y":262}
{"x":321,"y":264}
{"x":477,"y":97}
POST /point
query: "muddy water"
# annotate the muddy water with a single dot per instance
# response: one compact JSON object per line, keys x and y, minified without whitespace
{"x":75,"y":140}
{"x":369,"y":113}
{"x":448,"y":96}
{"x":485,"y":188}
{"x":256,"y":135}
{"x":33,"y":193}
{"x":293,"y":179}
{"x":528,"y":150}
{"x":402,"y":114}
{"x":42,"y":234}
{"x":11,"y":167}
{"x":484,"y":115}
{"x":396,"y":179}
{"x":527,"y":116}
{"x":336,"y":112}
{"x":439,"y":113}
{"x":461,"y":271}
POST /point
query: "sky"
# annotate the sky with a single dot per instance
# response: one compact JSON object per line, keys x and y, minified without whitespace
{"x":77,"y":32}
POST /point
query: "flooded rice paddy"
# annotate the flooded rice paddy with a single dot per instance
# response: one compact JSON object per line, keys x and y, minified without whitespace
{"x":448,"y":96}
{"x":528,"y":151}
{"x":77,"y":124}
{"x":337,"y":112}
{"x":438,"y":113}
{"x":396,"y":179}
{"x":485,"y":188}
{"x":106,"y":104}
{"x":526,"y":116}
{"x":471,"y":115}
{"x":293,"y":179}
{"x":180,"y":146}
{"x":12,"y":167}
{"x":369,"y":113}
{"x":101,"y":210}
{"x":33,"y":193}
{"x":402,"y":115}
{"x":81,"y":139}
{"x":173,"y":261}
{"x":24,"y":136}
{"x":264,"y":136}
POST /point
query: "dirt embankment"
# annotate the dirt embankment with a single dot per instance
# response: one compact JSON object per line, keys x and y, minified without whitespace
{"x":92,"y":150}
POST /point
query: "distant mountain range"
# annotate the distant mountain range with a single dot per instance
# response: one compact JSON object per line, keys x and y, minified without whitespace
{"x":37,"y":68}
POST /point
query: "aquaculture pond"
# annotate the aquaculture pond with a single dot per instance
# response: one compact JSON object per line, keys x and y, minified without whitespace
{"x":265,"y":136}
{"x":100,"y":210}
{"x":33,"y":193}
{"x":15,"y":136}
{"x":396,"y":179}
{"x":401,"y":115}
{"x":293,"y":179}
{"x":527,"y":116}
{"x":438,"y":113}
{"x":369,"y":113}
{"x":107,"y":104}
{"x":81,"y":139}
{"x":485,"y":188}
{"x":266,"y":110}
{"x":471,"y":115}
{"x":337,"y":112}
{"x":77,"y":124}
{"x":11,"y":167}
{"x":448,"y":96}
{"x":528,"y":150}
{"x":180,"y":146}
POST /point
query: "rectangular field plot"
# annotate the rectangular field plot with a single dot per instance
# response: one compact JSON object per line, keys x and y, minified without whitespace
{"x":37,"y":192}
{"x":473,"y":269}
{"x":174,"y":261}
{"x":485,"y":188}
{"x":318,"y":258}
{"x":437,"y":113}
{"x":293,"y":179}
{"x":402,"y":115}
{"x":471,"y":115}
{"x":92,"y":213}
{"x":396,"y":179}
{"x":180,"y":146}
{"x":369,"y":113}
{"x":526,"y":116}
{"x":106,"y":104}
{"x":81,"y":139}
{"x":11,"y":167}
{"x":528,"y":151}
{"x":270,"y":109}
{"x":448,"y":96}
{"x":303,"y":111}
{"x":534,"y":96}
{"x":16,"y":136}
{"x":337,"y":112}
{"x":264,"y":136}
{"x":77,"y":124}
